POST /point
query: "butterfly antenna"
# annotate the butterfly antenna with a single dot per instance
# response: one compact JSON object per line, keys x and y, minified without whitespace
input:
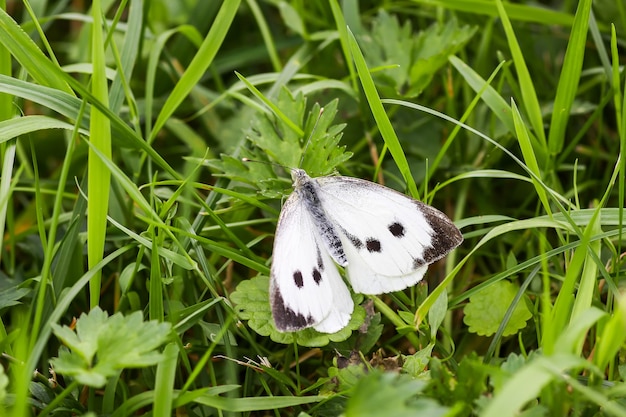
{"x":308,"y":140}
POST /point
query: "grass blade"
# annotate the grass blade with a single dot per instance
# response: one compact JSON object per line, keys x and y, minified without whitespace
{"x":30,"y":57}
{"x":529,"y":95}
{"x":200,"y":63}
{"x":99,"y":180}
{"x":570,"y":77}
{"x":380,"y":115}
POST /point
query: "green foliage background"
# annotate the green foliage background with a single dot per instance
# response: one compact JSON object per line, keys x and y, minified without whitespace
{"x":137,"y":243}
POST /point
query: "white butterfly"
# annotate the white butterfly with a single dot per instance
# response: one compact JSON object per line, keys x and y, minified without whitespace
{"x":384,"y":240}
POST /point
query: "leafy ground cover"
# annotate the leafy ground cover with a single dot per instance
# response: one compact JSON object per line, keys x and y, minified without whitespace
{"x":137,"y":243}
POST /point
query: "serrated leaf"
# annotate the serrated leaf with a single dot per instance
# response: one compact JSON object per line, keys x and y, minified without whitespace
{"x":252,"y":303}
{"x":272,"y":140}
{"x":117,"y":342}
{"x":410,"y":60}
{"x":486,"y":309}
{"x":11,"y":296}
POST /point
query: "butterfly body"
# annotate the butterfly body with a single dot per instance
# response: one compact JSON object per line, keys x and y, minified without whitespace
{"x":384,"y":240}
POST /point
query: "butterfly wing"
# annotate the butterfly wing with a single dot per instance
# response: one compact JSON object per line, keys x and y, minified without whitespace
{"x":389,"y":239}
{"x":305,"y":286}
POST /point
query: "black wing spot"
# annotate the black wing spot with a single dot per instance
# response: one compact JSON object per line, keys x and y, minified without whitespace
{"x":396,"y":229}
{"x":297,"y":279}
{"x":418,"y":263}
{"x":372,"y":245}
{"x":317,"y":276}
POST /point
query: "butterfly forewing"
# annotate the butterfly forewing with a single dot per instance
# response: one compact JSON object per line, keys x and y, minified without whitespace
{"x":306,"y":289}
{"x":388,"y":238}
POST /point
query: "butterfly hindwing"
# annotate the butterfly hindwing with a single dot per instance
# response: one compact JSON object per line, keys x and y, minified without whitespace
{"x":388,"y":238}
{"x":306,"y":289}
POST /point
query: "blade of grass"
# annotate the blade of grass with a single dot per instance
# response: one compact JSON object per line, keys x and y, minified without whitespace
{"x":8,"y":163}
{"x":598,"y":41}
{"x":562,"y":310}
{"x":199,"y":64}
{"x":489,"y":95}
{"x":156,"y":310}
{"x":620,"y":113}
{"x":275,"y":110}
{"x":344,"y":39}
{"x":569,"y":78}
{"x":29,"y":124}
{"x":380,"y":115}
{"x":164,"y":382}
{"x":192,"y":35}
{"x":612,"y":336}
{"x":266,"y":34}
{"x":30,"y":57}
{"x":69,"y":106}
{"x":527,"y":88}
{"x":572,"y":339}
{"x":588,"y":281}
{"x":484,"y":92}
{"x":7,"y":151}
{"x":99,"y":176}
{"x":126,"y":62}
{"x":518,"y":12}
{"x":529,"y":156}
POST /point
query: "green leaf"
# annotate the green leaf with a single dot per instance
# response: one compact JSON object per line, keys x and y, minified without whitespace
{"x":409,"y":60}
{"x":437,"y":314}
{"x":487,"y":308}
{"x":11,"y":296}
{"x":415,"y":364}
{"x":117,"y":342}
{"x":272,"y":139}
{"x":388,"y":394}
{"x":252,"y":303}
{"x":345,"y":374}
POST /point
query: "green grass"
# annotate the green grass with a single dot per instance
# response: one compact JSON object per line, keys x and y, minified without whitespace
{"x":137,"y":244}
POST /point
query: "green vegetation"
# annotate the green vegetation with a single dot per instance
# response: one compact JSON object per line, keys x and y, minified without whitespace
{"x":137,"y":244}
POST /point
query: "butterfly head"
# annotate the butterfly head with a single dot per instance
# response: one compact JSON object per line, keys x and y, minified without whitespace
{"x":299,"y":177}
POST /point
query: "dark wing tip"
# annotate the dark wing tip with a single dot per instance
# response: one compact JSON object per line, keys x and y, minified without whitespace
{"x":446,"y":236}
{"x":285,"y":319}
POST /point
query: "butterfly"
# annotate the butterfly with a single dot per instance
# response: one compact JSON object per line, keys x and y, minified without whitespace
{"x":383,"y":239}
